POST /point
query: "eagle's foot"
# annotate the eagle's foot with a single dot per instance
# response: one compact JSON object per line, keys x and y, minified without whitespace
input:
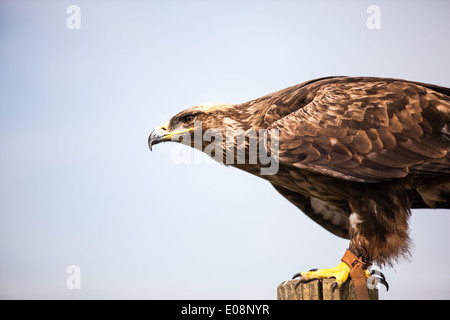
{"x":341,"y":273}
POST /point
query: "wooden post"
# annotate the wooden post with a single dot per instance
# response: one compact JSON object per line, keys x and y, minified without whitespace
{"x":319,"y":290}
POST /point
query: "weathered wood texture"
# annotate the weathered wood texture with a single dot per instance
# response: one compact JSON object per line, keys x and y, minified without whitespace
{"x":319,"y":290}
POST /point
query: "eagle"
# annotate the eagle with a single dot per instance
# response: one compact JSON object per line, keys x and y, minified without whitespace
{"x":355,"y":154}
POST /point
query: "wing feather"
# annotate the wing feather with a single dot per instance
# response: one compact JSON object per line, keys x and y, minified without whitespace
{"x":365,"y":129}
{"x":329,"y":216}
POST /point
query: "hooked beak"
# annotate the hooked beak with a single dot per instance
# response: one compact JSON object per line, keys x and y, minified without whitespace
{"x":161,"y":134}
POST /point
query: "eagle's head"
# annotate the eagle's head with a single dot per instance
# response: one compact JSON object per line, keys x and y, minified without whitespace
{"x":230,"y":134}
{"x":183,"y":126}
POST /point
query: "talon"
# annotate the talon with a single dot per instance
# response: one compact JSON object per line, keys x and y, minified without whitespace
{"x":297,"y":284}
{"x":378,"y":273}
{"x":297,"y":275}
{"x":334,"y":286}
{"x":315,"y":269}
{"x":381,"y":278}
{"x":383,"y":282}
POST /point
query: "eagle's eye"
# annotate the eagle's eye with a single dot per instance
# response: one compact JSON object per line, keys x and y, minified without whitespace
{"x":189,"y":118}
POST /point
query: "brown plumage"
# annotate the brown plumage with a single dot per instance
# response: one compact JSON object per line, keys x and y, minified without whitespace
{"x":355,"y":154}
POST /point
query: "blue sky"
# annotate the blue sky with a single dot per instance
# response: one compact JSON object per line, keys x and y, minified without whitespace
{"x":79,"y":186}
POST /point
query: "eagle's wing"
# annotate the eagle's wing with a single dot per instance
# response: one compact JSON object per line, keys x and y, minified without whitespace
{"x":367,"y":130}
{"x":325,"y":214}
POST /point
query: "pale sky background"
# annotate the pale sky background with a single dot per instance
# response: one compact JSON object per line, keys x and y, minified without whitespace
{"x":79,"y":186}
